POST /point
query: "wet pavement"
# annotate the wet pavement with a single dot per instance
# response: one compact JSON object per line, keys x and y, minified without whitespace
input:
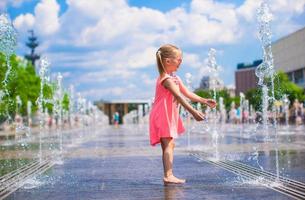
{"x":140,"y":178}
{"x":119,"y":163}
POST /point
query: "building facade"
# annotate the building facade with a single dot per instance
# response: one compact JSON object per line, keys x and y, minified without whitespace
{"x":289,"y":56}
{"x":123,"y":107}
{"x":245,"y":78}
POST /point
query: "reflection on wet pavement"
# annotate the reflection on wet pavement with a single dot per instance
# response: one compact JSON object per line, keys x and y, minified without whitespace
{"x":119,"y":163}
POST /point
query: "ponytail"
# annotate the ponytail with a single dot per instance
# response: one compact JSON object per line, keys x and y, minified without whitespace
{"x":161,"y":67}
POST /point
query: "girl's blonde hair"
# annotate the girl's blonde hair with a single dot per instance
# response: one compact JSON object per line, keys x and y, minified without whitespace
{"x":165,"y":51}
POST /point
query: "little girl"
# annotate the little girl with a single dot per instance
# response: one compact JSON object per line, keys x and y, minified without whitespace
{"x":165,"y":123}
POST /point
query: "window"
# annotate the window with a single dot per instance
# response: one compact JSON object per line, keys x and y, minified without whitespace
{"x":299,"y":77}
{"x":290,"y":76}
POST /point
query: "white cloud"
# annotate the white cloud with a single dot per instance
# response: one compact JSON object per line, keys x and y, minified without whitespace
{"x":46,"y":14}
{"x":192,"y":60}
{"x":117,"y":23}
{"x":115,"y":39}
{"x":24,"y":22}
{"x":106,"y":75}
{"x":45,"y":19}
{"x":288,"y":6}
{"x":211,"y":22}
{"x":248,"y":9}
{"x":281,"y":9}
{"x":130,"y":91}
{"x":125,"y":24}
{"x":127,"y":57}
{"x":96,"y":8}
{"x":77,"y":60}
{"x":138,"y":59}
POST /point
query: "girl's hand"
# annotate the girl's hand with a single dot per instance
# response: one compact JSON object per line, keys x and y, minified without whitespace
{"x":199,"y":116}
{"x":211,"y":103}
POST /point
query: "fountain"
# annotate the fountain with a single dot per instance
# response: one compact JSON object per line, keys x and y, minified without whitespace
{"x":20,"y":127}
{"x":232,"y":113}
{"x":214,"y":75}
{"x":265,"y":72}
{"x":29,"y":112}
{"x":222,"y":111}
{"x":8,"y":44}
{"x":44,"y":78}
{"x":188,"y":77}
{"x":8,"y":41}
{"x":58,"y":112}
{"x":286,"y":104}
{"x":252,"y":114}
{"x":71,"y":105}
{"x":241,"y":107}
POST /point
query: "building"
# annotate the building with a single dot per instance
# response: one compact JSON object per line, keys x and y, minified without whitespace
{"x":245,"y":78}
{"x":204,"y":83}
{"x":123,"y":107}
{"x":289,"y":56}
{"x":207,"y":83}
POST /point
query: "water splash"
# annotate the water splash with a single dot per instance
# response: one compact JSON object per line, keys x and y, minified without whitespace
{"x":188,"y":79}
{"x":265,"y":105}
{"x":214,"y":76}
{"x":265,"y":71}
{"x":286,"y":104}
{"x":31,"y":183}
{"x":44,"y":78}
{"x":8,"y":36}
{"x":222,"y":110}
{"x":255,"y":157}
{"x":29,"y":112}
{"x":58,"y":110}
{"x":8,"y":44}
{"x":71,"y":104}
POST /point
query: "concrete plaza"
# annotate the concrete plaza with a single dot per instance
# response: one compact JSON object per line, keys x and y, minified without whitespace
{"x":119,"y":163}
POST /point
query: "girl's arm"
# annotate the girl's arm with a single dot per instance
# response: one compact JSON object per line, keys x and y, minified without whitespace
{"x":172,"y":87}
{"x":194,"y":97}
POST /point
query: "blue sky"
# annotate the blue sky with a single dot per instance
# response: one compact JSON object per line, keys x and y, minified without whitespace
{"x":106,"y":48}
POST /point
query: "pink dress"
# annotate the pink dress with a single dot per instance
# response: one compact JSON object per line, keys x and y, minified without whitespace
{"x":164,"y":119}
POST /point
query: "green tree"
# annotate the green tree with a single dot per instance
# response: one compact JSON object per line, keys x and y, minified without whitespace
{"x":282,"y":86}
{"x":255,"y":97}
{"x":204,"y":93}
{"x":227,"y":100}
{"x":22,"y":82}
{"x":65,"y":102}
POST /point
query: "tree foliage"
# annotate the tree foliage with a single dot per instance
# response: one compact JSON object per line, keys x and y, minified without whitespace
{"x":227,"y":99}
{"x":282,"y":85}
{"x":23,"y":82}
{"x":65,"y":102}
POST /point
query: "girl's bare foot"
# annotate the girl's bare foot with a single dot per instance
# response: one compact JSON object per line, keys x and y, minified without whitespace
{"x":173,"y":180}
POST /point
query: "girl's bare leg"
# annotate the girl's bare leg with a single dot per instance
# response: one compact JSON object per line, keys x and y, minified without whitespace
{"x":168,"y":145}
